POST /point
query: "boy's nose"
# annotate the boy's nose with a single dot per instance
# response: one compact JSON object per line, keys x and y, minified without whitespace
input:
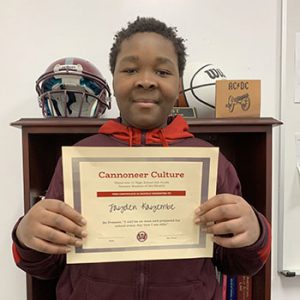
{"x":146,"y":81}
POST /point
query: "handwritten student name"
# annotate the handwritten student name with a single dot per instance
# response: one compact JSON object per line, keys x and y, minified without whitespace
{"x":144,"y":206}
{"x":153,"y":174}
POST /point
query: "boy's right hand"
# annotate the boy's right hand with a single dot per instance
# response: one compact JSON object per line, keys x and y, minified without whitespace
{"x":51,"y":226}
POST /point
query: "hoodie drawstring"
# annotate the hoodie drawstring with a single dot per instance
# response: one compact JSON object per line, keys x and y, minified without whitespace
{"x":163,"y":138}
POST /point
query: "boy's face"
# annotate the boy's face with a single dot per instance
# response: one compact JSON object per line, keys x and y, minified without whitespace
{"x":146,"y":80}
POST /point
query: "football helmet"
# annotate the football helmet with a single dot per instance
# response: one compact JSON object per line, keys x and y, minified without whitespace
{"x":73,"y":87}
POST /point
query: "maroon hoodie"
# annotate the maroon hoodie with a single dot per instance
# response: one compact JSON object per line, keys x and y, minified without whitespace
{"x":182,"y":279}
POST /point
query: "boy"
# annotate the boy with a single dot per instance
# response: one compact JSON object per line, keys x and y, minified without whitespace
{"x":147,"y":60}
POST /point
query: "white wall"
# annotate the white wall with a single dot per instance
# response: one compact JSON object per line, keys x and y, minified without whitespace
{"x":242,"y":37}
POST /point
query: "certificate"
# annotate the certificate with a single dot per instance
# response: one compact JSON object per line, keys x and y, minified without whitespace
{"x":139,"y":202}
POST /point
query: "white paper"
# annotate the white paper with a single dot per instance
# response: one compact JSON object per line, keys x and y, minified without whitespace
{"x":134,"y":209}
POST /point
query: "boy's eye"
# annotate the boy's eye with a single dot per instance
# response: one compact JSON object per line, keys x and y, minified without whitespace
{"x":129,"y":70}
{"x":163,"y":73}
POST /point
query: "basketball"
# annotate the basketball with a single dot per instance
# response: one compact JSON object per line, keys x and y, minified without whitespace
{"x":198,"y":88}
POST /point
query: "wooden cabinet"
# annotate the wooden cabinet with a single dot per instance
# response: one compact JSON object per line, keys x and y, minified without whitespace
{"x":247,"y":143}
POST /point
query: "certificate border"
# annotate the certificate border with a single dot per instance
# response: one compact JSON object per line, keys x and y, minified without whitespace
{"x":77,"y":196}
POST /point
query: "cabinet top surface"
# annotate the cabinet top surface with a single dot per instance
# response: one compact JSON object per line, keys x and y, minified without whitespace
{"x":83,"y":122}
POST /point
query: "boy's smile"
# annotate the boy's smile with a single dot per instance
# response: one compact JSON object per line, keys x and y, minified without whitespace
{"x":146,"y":80}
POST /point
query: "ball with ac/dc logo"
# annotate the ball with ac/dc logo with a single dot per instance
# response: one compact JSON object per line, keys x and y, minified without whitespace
{"x":198,"y":88}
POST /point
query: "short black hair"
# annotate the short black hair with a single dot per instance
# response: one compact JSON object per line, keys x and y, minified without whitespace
{"x":147,"y":24}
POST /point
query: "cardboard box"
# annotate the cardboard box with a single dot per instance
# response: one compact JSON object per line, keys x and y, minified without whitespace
{"x":238,"y":98}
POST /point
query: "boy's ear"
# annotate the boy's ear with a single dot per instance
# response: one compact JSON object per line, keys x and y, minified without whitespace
{"x":180,"y":85}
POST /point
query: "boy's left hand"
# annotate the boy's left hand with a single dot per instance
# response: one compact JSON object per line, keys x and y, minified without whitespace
{"x":230,"y":219}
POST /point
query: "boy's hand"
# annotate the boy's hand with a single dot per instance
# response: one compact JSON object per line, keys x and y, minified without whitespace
{"x":230,"y":219}
{"x":49,"y":227}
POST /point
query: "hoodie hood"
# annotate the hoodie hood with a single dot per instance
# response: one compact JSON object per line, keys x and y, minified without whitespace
{"x":175,"y":130}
